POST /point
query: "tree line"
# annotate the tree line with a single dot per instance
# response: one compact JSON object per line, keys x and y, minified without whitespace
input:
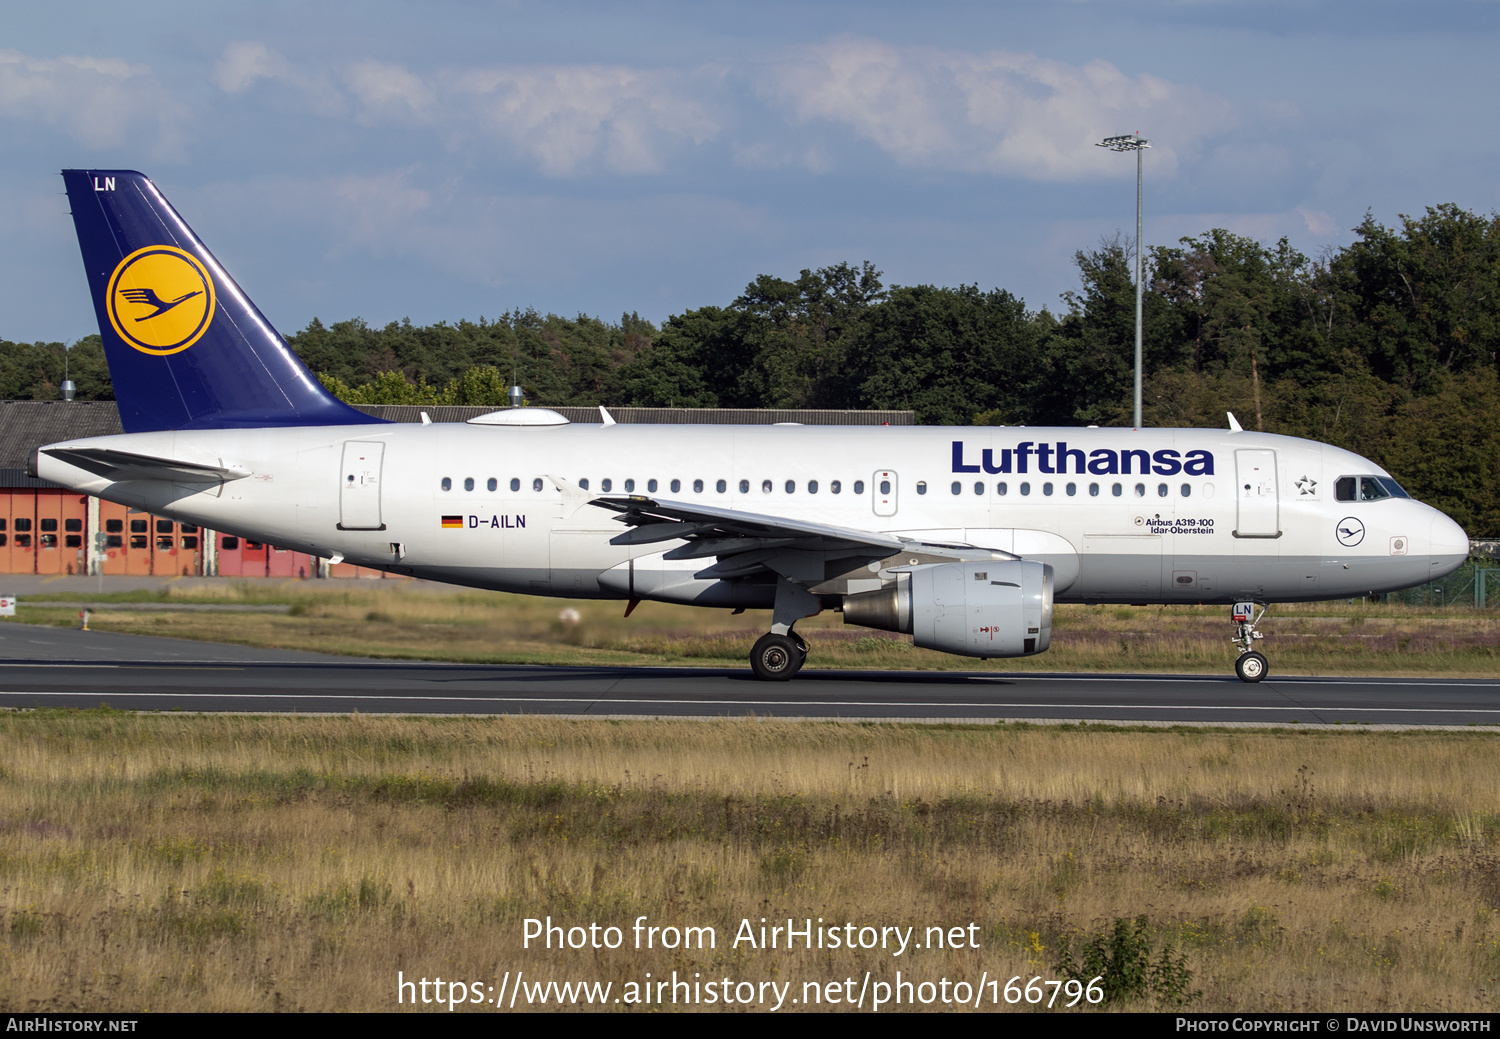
{"x":1387,"y":346}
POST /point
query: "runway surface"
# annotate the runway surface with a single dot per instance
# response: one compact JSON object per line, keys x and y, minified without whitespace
{"x":59,"y":667}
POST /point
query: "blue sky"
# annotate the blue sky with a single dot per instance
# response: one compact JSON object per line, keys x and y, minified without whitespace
{"x":446,"y":160}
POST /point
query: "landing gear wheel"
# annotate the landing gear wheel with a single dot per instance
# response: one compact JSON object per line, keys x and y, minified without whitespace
{"x":776,"y":658}
{"x":1251,"y":667}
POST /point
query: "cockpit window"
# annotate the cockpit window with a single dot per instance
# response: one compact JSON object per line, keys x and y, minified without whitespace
{"x":1367,"y":488}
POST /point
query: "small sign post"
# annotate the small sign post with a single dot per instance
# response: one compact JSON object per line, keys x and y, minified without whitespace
{"x":7,"y":605}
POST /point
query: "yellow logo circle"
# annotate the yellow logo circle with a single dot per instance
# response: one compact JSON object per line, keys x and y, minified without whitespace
{"x":160,"y":300}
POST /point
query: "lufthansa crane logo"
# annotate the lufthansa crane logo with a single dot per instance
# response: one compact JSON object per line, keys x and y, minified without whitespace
{"x":160,"y":299}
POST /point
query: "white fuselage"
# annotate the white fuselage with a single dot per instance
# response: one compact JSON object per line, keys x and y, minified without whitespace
{"x":1218,"y":516}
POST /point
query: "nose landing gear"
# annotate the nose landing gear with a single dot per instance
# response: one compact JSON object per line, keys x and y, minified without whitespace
{"x":1251,"y":666}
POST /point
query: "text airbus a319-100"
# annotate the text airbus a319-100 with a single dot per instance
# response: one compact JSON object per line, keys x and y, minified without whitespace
{"x":962,"y":538}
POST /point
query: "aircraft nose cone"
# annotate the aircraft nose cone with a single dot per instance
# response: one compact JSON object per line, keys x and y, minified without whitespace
{"x":1450,"y":546}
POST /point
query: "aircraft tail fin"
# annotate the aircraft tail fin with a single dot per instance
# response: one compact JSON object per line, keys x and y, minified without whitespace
{"x":186,"y":347}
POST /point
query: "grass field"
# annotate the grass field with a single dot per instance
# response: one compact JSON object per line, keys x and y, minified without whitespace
{"x":400,"y":620}
{"x":182,"y":862}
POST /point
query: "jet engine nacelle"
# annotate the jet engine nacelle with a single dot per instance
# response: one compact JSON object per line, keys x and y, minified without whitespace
{"x":983,"y":609}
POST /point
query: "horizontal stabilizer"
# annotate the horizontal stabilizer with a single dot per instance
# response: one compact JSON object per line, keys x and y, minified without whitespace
{"x":120,"y":466}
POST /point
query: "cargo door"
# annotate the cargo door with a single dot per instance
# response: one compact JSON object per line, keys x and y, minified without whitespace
{"x":359,"y":486}
{"x":1256,"y":494}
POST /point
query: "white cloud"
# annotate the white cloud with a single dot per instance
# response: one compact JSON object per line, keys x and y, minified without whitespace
{"x":570,"y":116}
{"x":102,"y":102}
{"x":389,"y":91}
{"x":245,"y":62}
{"x":996,"y":111}
{"x":1317,"y":221}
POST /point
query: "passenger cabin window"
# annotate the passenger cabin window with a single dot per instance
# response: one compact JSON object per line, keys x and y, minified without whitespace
{"x":629,"y":485}
{"x":446,"y":484}
{"x":606,"y":485}
{"x":859,"y":487}
{"x":697,"y":486}
{"x":583,"y":484}
{"x":489,"y":485}
{"x":651,"y":486}
{"x":1025,"y":488}
{"x":744,"y":486}
{"x":956,"y":487}
{"x":921,"y":486}
{"x":836,"y":486}
{"x":468,"y":483}
{"x":515,"y":483}
{"x":676,"y":486}
{"x":765,"y":487}
{"x":722,"y":486}
{"x":1072,"y":489}
{"x":791,"y":486}
{"x":1161,"y":490}
{"x":1187,"y":489}
{"x":1002,"y":489}
{"x":812,"y":486}
{"x":536,"y":484}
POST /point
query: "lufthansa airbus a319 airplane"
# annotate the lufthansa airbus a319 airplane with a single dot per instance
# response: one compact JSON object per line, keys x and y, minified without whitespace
{"x":962,"y":537}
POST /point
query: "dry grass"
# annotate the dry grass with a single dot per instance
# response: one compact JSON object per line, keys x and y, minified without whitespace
{"x":177,"y":862}
{"x":414,"y":621}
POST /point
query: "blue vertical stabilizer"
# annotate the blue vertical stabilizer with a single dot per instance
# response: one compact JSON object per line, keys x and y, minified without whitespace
{"x":186,"y":348}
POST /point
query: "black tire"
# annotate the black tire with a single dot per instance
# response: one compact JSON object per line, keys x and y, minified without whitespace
{"x":1251,"y":667}
{"x":776,"y":658}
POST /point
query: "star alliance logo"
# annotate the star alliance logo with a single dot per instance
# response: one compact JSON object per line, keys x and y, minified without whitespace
{"x":1307,"y":485}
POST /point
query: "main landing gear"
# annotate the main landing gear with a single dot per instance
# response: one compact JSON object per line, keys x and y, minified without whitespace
{"x":776,"y":658}
{"x":780,"y":653}
{"x":1251,"y":666}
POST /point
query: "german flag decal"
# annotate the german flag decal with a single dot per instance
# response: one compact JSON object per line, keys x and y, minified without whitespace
{"x":453,"y":523}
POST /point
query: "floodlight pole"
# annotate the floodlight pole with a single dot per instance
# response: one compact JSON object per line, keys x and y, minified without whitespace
{"x":1134,"y":143}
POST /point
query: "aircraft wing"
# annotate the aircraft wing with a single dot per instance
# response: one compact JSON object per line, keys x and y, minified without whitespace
{"x":748,"y":542}
{"x":127,"y":465}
